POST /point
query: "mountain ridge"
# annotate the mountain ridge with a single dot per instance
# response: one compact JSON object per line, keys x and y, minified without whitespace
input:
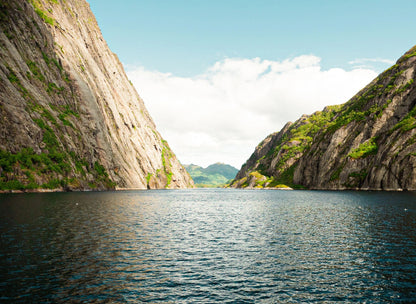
{"x":367,"y":143}
{"x":214,"y":175}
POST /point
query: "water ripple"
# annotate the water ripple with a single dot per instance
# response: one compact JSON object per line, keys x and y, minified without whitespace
{"x":205,"y":246}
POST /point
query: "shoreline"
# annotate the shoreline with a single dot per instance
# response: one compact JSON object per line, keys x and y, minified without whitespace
{"x":143,"y":189}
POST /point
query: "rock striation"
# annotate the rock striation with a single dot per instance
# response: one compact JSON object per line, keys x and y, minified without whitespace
{"x":368,"y":143}
{"x":70,"y":118}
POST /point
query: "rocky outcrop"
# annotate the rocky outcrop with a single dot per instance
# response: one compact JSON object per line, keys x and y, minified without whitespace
{"x":368,"y":143}
{"x":70,"y":117}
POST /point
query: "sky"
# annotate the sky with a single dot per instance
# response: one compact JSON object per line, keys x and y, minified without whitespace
{"x":218,"y":76}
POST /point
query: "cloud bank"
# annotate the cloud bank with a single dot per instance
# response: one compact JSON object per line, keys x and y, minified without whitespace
{"x":222,"y":114}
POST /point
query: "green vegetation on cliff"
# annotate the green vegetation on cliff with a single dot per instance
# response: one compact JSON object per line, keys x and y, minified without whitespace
{"x":65,"y":123}
{"x":166,"y":156}
{"x":367,"y":148}
{"x":53,"y":165}
{"x":286,"y":151}
{"x":27,"y":170}
{"x":41,"y":12}
{"x":366,"y":143}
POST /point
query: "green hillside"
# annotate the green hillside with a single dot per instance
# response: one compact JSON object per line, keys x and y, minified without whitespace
{"x":215,"y":175}
{"x":367,"y":143}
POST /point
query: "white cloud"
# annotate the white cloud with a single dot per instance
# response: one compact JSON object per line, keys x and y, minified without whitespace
{"x":366,"y":60}
{"x":377,"y":64}
{"x":223,"y":114}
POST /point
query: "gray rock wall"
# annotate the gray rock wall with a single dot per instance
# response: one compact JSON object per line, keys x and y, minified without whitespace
{"x":368,"y":143}
{"x":63,"y":91}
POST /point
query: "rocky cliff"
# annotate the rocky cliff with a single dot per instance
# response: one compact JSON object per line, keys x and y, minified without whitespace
{"x":70,"y":118}
{"x":367,"y":143}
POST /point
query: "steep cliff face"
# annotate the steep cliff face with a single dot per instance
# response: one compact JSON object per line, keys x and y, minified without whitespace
{"x":367,"y":143}
{"x":70,"y":117}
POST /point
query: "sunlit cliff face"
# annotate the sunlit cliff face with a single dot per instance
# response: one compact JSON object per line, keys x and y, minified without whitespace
{"x":66,"y":98}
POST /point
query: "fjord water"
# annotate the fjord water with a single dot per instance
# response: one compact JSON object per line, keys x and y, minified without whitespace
{"x":216,"y":245}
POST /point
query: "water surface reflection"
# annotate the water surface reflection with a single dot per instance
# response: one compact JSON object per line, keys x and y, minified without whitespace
{"x":208,"y":246}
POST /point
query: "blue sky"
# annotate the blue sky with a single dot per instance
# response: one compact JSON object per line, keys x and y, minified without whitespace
{"x":219,"y":76}
{"x":186,"y":36}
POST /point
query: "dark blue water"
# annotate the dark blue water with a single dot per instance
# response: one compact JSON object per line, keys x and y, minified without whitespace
{"x":208,"y":246}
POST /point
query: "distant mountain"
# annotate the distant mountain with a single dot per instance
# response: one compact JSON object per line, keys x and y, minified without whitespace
{"x":215,"y":175}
